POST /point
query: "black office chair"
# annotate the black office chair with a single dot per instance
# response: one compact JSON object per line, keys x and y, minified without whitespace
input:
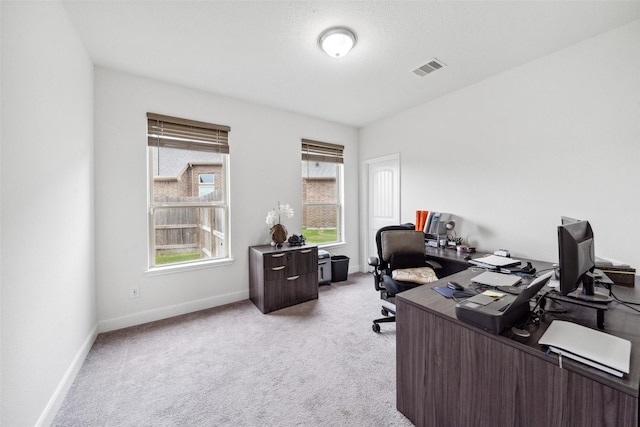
{"x":399,"y":266}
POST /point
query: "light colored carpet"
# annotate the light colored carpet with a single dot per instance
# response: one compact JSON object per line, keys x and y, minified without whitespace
{"x":317,"y":363}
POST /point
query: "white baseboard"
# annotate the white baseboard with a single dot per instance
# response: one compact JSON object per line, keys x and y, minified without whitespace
{"x":52,"y":408}
{"x":170,"y":311}
{"x":354,"y":269}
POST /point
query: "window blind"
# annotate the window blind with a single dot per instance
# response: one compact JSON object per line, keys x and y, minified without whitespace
{"x":317,"y":151}
{"x":174,"y":132}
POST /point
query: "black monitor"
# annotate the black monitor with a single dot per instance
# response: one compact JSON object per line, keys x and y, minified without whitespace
{"x":565,"y":220}
{"x":577,"y":261}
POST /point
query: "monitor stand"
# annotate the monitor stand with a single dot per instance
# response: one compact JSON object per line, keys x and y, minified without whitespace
{"x":597,"y":298}
{"x":599,"y":307}
{"x":597,"y":301}
{"x":588,"y":292}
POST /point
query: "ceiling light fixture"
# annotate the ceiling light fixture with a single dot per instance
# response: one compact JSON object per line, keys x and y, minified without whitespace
{"x":337,"y":41}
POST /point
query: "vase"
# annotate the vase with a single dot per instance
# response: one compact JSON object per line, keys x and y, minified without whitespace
{"x":278,"y":234}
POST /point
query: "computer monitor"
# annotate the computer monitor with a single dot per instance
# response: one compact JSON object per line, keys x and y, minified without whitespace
{"x":565,"y":220}
{"x":577,"y":261}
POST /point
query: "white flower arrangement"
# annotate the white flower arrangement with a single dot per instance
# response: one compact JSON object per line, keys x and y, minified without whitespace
{"x":273,"y":216}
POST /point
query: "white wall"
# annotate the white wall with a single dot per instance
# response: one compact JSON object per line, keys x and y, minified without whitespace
{"x":48,"y":291}
{"x":511,"y":154}
{"x":523,"y":125}
{"x":265,"y":168}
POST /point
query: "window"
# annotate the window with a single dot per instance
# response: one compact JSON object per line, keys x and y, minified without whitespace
{"x":322,"y":211}
{"x":188,"y":190}
{"x":207,"y":184}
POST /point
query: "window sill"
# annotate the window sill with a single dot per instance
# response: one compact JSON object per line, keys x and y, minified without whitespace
{"x":333,"y":245}
{"x":178,"y":268}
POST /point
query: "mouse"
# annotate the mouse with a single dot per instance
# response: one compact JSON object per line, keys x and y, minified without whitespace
{"x":455,"y":286}
{"x":467,"y":257}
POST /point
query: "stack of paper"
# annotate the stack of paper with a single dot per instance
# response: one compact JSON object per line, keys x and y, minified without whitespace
{"x":595,"y":348}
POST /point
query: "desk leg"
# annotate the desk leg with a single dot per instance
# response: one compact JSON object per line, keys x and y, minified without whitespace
{"x":600,"y":318}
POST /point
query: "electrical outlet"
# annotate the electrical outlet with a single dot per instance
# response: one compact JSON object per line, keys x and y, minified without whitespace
{"x":134,"y":292}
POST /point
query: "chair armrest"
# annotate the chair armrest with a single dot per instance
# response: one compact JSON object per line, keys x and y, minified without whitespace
{"x":377,"y":274}
{"x":434,"y":264}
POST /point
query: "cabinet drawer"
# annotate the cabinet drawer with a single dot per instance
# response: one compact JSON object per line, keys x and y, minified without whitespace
{"x":275,"y":260}
{"x":290,"y":291}
{"x":308,"y":260}
{"x":276,"y":272}
{"x":303,"y":261}
{"x":307,"y":286}
{"x":278,"y":294}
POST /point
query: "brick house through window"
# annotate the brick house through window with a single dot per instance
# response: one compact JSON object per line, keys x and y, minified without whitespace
{"x":319,"y":185}
{"x":178,"y":174}
{"x":185,"y":176}
{"x":322,"y":212}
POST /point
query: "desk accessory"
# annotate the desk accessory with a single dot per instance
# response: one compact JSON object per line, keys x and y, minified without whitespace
{"x":455,"y":286}
{"x":527,"y":270}
{"x":496,"y":315}
{"x":490,"y":278}
{"x":447,"y":292}
{"x":494,"y":261}
{"x":595,"y":348}
{"x":421,"y":219}
{"x":621,"y":275}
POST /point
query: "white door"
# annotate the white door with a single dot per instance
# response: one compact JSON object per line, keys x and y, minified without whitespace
{"x":383,"y":205}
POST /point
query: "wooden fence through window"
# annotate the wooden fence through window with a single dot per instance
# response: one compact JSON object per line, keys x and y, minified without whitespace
{"x":184,"y":230}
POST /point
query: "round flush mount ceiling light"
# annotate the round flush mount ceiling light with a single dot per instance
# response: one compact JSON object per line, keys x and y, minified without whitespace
{"x":337,"y":41}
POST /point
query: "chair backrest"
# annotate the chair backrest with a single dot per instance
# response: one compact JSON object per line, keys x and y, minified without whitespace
{"x":402,"y":242}
{"x":387,"y":228}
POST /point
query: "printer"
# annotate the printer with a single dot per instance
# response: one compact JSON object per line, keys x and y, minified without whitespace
{"x":495,"y":314}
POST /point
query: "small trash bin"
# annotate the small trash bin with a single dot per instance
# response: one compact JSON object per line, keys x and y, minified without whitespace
{"x":339,"y":268}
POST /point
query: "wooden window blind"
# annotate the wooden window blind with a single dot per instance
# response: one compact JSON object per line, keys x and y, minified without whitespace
{"x":322,"y":151}
{"x":174,"y":132}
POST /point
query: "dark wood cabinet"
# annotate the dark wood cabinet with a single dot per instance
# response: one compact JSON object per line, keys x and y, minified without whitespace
{"x":280,"y":278}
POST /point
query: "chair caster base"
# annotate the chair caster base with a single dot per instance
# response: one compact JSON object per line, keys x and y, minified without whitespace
{"x":376,"y":326}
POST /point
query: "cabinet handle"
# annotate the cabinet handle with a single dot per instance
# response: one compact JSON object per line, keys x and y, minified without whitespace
{"x":278,"y":268}
{"x":305,"y":251}
{"x":277,"y":255}
{"x":293,"y":278}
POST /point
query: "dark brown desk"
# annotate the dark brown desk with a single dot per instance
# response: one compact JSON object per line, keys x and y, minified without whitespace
{"x":450,"y":373}
{"x":452,"y":261}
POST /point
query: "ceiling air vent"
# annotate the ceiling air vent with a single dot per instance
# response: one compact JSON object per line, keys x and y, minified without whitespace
{"x":429,"y":67}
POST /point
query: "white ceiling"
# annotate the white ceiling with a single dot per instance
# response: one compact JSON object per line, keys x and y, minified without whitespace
{"x":266,"y":51}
